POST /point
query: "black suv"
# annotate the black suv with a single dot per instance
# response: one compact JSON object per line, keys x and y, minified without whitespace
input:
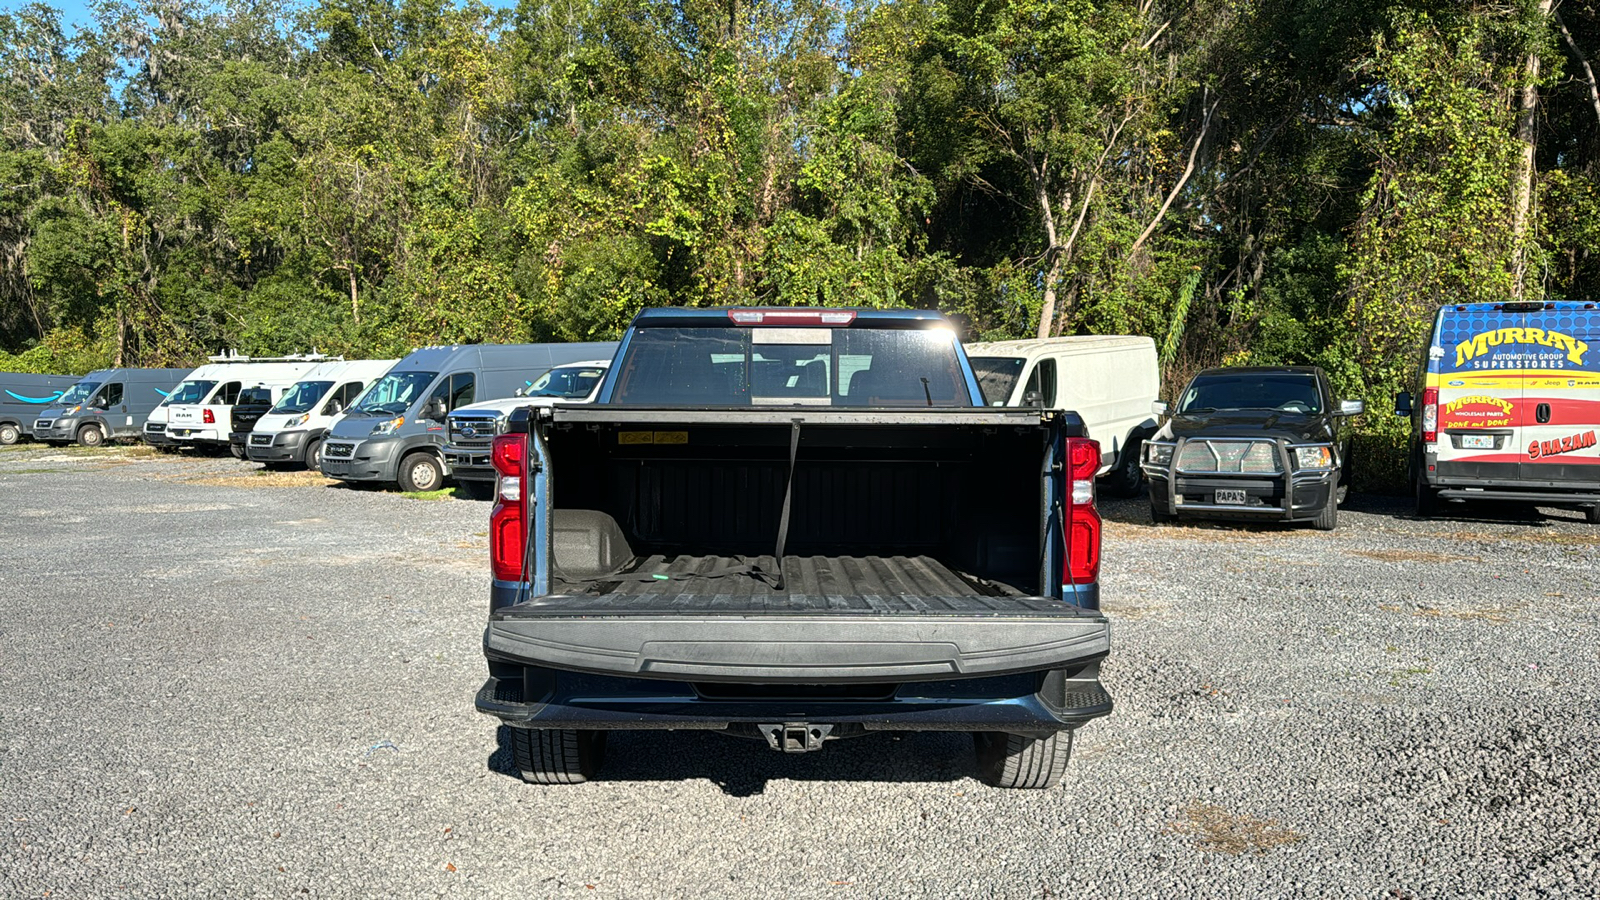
{"x":1252,"y":442}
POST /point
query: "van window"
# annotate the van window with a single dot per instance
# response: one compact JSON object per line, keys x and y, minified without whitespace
{"x":256,"y":396}
{"x":227,"y":395}
{"x":1043,"y":380}
{"x":190,"y":392}
{"x":463,"y":386}
{"x":395,"y":392}
{"x":997,"y":376}
{"x":110,"y":396}
{"x":344,"y":397}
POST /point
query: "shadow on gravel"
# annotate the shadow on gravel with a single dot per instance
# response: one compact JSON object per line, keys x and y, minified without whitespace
{"x":1137,"y":514}
{"x":742,"y":768}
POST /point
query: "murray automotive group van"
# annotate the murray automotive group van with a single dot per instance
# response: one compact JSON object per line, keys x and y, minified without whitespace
{"x":1108,"y":380}
{"x":1509,"y":407}
{"x":200,"y":410}
{"x":107,"y":405}
{"x":291,"y":433}
{"x":22,"y":396}
{"x":395,"y":433}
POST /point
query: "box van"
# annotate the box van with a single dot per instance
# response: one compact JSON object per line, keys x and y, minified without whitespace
{"x":395,"y":433}
{"x":1509,"y":407}
{"x":470,"y":430}
{"x":107,"y":405}
{"x":291,"y":432}
{"x":1110,"y":381}
{"x":200,"y":410}
{"x":22,"y":396}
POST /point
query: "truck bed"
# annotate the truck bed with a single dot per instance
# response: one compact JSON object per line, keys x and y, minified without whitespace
{"x":844,"y":585}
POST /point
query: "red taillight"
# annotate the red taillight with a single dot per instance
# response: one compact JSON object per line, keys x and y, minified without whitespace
{"x":1082,"y":565}
{"x":508,"y":532}
{"x":208,"y":417}
{"x":792,"y":316}
{"x":1430,"y":415}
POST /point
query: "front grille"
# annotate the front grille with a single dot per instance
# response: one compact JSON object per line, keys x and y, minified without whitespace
{"x":482,"y":430}
{"x":155,"y":427}
{"x":43,"y":424}
{"x":339,"y":451}
{"x":1229,"y":457}
{"x":260,"y":440}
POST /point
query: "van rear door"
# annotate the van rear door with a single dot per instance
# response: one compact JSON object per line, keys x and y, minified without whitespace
{"x":1477,"y":374}
{"x":1561,"y":397}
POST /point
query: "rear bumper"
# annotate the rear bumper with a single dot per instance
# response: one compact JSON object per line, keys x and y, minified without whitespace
{"x":189,"y":434}
{"x":1036,"y":703}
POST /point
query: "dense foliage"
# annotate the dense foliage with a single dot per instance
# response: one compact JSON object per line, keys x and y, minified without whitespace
{"x":1259,"y":180}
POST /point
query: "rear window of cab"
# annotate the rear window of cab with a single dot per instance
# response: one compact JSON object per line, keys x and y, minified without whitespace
{"x":781,"y":366}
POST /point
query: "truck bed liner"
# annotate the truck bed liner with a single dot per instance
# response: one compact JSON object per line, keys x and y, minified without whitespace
{"x":869,"y":585}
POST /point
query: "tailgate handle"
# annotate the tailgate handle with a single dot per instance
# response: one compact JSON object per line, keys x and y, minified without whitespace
{"x":1541,"y":413}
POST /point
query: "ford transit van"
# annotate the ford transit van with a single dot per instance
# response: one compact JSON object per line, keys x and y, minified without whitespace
{"x":1509,"y":407}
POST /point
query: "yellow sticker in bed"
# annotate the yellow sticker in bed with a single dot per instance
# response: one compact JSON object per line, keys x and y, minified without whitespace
{"x":672,"y":437}
{"x":636,"y":437}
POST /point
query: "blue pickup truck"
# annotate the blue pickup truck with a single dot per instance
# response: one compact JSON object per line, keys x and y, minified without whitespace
{"x":795,"y":526}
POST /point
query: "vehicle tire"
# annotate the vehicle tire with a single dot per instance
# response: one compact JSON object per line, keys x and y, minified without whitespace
{"x":237,"y":451}
{"x":1328,"y":519}
{"x":1126,"y":481}
{"x":9,"y":434}
{"x":1160,"y":516}
{"x":91,"y":436}
{"x":421,"y":472}
{"x":1592,"y":513}
{"x":314,"y":455}
{"x":476,"y":490}
{"x":1427,"y":499}
{"x":557,"y":756}
{"x":1014,"y":761}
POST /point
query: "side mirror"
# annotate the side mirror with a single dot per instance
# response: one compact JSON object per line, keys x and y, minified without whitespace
{"x":1352,"y":407}
{"x":519,"y":392}
{"x":1160,"y":407}
{"x":435,"y":409}
{"x":1402,"y":404}
{"x":1033,"y":398}
{"x":333,"y":408}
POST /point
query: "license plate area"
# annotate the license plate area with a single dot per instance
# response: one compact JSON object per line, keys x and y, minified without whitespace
{"x":1477,"y":441}
{"x":1232,"y":497}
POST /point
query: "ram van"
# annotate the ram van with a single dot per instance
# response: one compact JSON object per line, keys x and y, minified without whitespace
{"x":22,"y":396}
{"x":108,"y":405}
{"x":395,"y":433}
{"x":1509,"y":407}
{"x":291,"y":433}
{"x":1110,"y":381}
{"x":200,"y":411}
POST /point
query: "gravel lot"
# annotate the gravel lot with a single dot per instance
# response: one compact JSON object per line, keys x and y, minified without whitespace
{"x":216,"y":683}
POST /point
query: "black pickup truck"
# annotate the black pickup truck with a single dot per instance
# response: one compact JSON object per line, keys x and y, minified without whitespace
{"x":1252,"y":442}
{"x":794,"y":526}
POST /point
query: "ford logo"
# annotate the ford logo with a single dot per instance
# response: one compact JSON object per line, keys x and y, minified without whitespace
{"x":469,"y":431}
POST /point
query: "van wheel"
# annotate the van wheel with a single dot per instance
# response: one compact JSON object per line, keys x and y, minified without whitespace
{"x":420,"y":472}
{"x":1427,"y":500}
{"x":1127,"y":479}
{"x":557,"y":756}
{"x":1592,"y":513}
{"x":1328,"y":519}
{"x":10,"y":434}
{"x":314,"y":455}
{"x":1015,"y":761}
{"x":91,"y":436}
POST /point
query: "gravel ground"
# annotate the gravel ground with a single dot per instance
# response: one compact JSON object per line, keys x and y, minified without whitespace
{"x":214,"y":683}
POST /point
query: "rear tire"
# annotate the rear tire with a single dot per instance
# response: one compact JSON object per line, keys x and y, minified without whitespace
{"x":314,"y":455}
{"x":557,"y":756}
{"x":1015,"y":761}
{"x":1160,"y":516}
{"x":420,"y":473}
{"x":1426,"y":498}
{"x":1126,"y":481}
{"x":1328,"y":519}
{"x":237,"y":451}
{"x":1592,"y":513}
{"x":91,"y":436}
{"x":9,"y":434}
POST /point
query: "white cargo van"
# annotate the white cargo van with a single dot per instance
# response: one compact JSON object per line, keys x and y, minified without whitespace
{"x":291,"y":432}
{"x":199,"y":412}
{"x":1108,"y":380}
